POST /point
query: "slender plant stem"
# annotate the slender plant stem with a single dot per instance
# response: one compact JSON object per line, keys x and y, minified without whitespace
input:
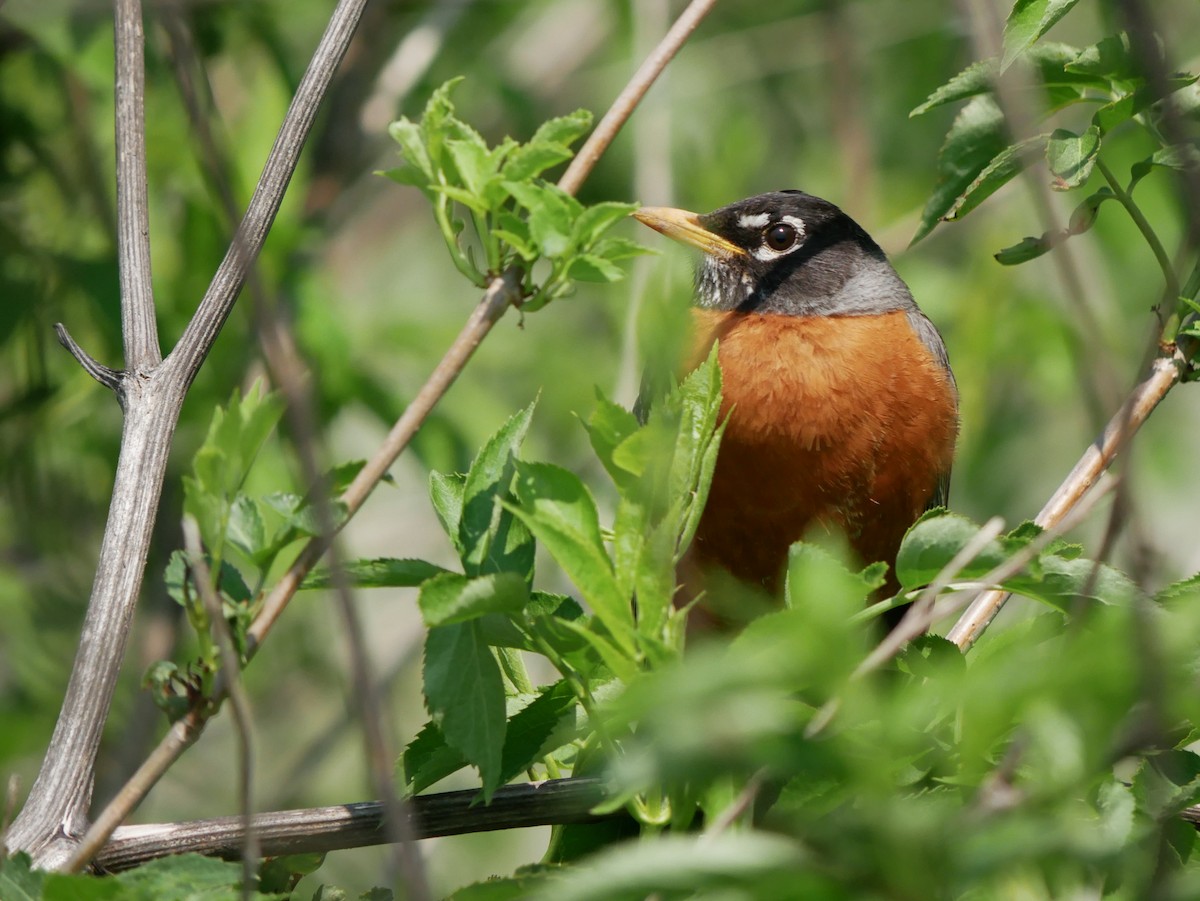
{"x":1171,"y":280}
{"x":138,"y":327}
{"x":603,"y":134}
{"x":1165,"y":372}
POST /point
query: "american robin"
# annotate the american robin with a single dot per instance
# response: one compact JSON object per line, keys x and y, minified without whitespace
{"x":842,"y":409}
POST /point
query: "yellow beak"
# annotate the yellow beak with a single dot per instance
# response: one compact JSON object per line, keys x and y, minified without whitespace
{"x":685,"y":227}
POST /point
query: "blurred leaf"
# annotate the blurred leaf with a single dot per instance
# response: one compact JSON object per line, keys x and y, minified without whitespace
{"x":1024,"y":251}
{"x":974,"y":140}
{"x":680,"y":863}
{"x":382,"y":572}
{"x":465,"y":695}
{"x":450,"y":598}
{"x":1111,"y":58}
{"x":1071,"y":157}
{"x":1126,"y":107}
{"x":1179,"y":157}
{"x":560,"y":512}
{"x":1028,"y":21}
{"x":998,"y":172}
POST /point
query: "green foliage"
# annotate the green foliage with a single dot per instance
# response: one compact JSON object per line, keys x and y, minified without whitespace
{"x":979,"y":156}
{"x":186,"y":877}
{"x":517,"y":217}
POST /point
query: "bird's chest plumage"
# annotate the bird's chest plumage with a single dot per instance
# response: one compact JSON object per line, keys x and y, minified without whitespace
{"x":835,"y":422}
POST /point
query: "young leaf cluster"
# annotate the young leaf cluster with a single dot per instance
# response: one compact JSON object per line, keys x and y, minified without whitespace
{"x":516,"y":217}
{"x":978,"y":156}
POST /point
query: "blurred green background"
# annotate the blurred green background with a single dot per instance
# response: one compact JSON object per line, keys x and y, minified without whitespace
{"x":797,"y":93}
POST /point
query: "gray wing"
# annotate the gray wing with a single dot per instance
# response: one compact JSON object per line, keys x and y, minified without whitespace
{"x":932,"y":339}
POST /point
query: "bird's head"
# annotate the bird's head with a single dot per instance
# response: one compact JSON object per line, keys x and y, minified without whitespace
{"x":784,"y":252}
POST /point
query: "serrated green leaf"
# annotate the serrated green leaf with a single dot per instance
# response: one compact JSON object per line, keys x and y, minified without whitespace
{"x":246,"y":530}
{"x":412,"y":145}
{"x":975,"y":79}
{"x":1071,"y":157}
{"x":598,"y":218}
{"x":563,"y":129}
{"x":533,"y":159}
{"x":382,"y":572}
{"x":590,"y":268}
{"x":491,"y":540}
{"x":465,"y":695}
{"x":451,"y":598}
{"x":446,"y":493}
{"x":1028,"y":21}
{"x":551,"y":214}
{"x":559,"y":510}
{"x":428,"y":759}
{"x":530,"y":732}
{"x":475,"y":165}
{"x":462,"y":195}
{"x":1060,"y":582}
{"x":974,"y":140}
{"x":999,"y":171}
{"x":1184,"y":589}
{"x":1126,"y":107}
{"x":608,"y":426}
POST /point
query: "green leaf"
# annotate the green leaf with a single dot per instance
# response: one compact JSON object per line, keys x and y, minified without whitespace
{"x":974,"y":140}
{"x":975,"y":79}
{"x":465,"y":695}
{"x":18,"y":880}
{"x":1111,"y":58}
{"x":428,"y":759}
{"x":1184,"y":590}
{"x":450,"y":598}
{"x":590,"y":268}
{"x":1071,"y":157}
{"x":411,"y":139}
{"x":1179,"y":157}
{"x":680,"y":865}
{"x":446,"y":493}
{"x":1126,"y":107}
{"x":246,"y":531}
{"x":1002,"y":169}
{"x":559,"y":510}
{"x":533,"y":159}
{"x":607,"y":427}
{"x":563,"y":129}
{"x":551,"y":213}
{"x":932,"y":542}
{"x":1028,"y":21}
{"x":382,"y":572}
{"x":1060,"y":582}
{"x":1024,"y":251}
{"x":474,"y":164}
{"x":598,"y":218}
{"x":490,"y":539}
{"x":461,"y":195}
{"x":537,"y":729}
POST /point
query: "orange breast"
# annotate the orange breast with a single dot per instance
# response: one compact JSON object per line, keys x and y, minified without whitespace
{"x":839,"y":423}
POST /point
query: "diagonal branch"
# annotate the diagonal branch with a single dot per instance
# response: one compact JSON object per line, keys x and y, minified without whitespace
{"x":218,"y":301}
{"x":1166,"y":371}
{"x":138,"y":326}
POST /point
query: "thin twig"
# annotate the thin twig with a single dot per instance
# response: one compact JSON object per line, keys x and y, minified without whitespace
{"x":1166,"y":371}
{"x":138,"y":326}
{"x":242,"y":720}
{"x":589,"y":154}
{"x":107,"y":376}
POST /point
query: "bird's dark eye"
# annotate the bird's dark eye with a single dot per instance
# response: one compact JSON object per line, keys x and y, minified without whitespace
{"x":781,"y":236}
